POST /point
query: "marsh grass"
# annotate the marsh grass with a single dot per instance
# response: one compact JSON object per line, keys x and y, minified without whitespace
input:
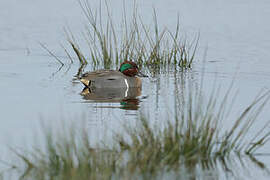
{"x":194,"y":137}
{"x":109,"y":44}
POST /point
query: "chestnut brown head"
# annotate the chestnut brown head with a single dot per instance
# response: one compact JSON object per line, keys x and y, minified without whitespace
{"x":129,"y":68}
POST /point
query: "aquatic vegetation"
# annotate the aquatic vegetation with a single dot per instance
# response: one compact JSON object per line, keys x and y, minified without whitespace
{"x":194,"y":137}
{"x":146,"y":45}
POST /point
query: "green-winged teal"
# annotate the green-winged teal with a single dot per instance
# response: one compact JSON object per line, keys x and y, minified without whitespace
{"x":125,"y":77}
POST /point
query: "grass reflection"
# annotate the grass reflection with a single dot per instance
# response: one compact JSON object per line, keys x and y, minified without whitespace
{"x":189,"y":146}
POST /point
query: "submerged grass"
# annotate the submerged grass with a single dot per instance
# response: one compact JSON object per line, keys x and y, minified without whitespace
{"x":194,"y":137}
{"x":109,"y":44}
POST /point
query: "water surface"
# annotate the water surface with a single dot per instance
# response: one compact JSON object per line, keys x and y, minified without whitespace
{"x":234,"y":33}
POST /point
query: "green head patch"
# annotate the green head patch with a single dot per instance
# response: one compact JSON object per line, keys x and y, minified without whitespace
{"x":125,"y":67}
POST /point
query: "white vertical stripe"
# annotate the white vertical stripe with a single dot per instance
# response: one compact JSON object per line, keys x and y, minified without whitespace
{"x":126,"y":83}
{"x":127,"y":88}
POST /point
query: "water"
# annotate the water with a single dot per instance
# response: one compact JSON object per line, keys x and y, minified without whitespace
{"x":234,"y":33}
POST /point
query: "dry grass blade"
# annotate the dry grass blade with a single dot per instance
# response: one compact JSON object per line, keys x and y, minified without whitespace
{"x":81,"y":58}
{"x":51,"y":53}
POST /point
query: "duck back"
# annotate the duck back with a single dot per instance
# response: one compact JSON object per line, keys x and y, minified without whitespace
{"x":109,"y":79}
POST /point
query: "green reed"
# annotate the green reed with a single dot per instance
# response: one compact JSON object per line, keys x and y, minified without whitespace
{"x":193,"y":137}
{"x":146,"y":45}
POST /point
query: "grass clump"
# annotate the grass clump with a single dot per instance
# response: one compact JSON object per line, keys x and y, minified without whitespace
{"x":193,"y":138}
{"x":152,"y":46}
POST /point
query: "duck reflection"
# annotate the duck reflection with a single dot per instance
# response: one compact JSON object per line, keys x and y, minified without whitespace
{"x":127,"y":97}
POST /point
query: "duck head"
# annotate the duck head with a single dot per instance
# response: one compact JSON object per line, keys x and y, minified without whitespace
{"x":131,"y":69}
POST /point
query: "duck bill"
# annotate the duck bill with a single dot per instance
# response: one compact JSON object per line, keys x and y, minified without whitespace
{"x":140,"y":74}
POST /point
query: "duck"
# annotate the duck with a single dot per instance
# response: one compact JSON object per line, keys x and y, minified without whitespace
{"x":126,"y":77}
